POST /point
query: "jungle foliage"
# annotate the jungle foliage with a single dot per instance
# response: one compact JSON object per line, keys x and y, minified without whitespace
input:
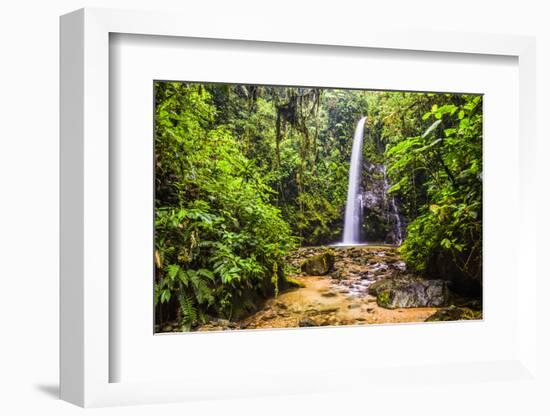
{"x":437,"y":173}
{"x":245,"y":173}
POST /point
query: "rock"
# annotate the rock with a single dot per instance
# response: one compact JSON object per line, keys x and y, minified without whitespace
{"x":410,"y":293}
{"x":319,"y":265}
{"x":328,"y":309}
{"x":329,"y":294}
{"x":400,"y":265}
{"x":268,"y":316}
{"x":353,"y":306}
{"x":370,"y":310}
{"x":281,"y":305}
{"x":306,"y":322}
{"x":379,"y":286}
{"x":453,"y":313}
{"x":337,"y":274}
{"x":365,"y":276}
{"x":379,"y":268}
{"x":211,"y":328}
{"x":293,"y":283}
{"x":465,"y":281}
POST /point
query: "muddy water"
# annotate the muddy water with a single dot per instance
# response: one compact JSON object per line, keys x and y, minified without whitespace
{"x":321,"y":303}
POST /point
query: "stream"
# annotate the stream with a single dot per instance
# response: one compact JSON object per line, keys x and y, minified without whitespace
{"x":338,"y":298}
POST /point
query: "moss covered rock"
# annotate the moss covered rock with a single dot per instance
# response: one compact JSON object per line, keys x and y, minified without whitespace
{"x":453,"y":313}
{"x":410,"y":293}
{"x":319,"y":265}
{"x":292,"y":283}
{"x":380,"y":285}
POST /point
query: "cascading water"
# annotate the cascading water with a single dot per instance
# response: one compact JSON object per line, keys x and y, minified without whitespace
{"x":352,"y":219}
{"x":395,"y":212}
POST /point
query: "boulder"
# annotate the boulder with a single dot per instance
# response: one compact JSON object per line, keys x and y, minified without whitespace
{"x":380,"y":285}
{"x":319,"y":265}
{"x":410,"y":293}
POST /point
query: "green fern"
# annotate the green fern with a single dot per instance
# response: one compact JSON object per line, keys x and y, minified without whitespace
{"x":188,"y":311}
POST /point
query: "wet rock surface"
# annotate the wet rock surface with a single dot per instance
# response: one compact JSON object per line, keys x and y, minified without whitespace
{"x":318,"y":264}
{"x":410,"y":293}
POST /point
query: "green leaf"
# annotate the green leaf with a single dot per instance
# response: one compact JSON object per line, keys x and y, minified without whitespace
{"x":446,"y":243}
{"x":173,"y":270}
{"x":449,"y":132}
{"x":394,"y":188}
{"x":165,"y":295}
{"x":206,"y":273}
{"x":431,"y":128}
{"x":183,"y":277}
{"x":428,"y":146}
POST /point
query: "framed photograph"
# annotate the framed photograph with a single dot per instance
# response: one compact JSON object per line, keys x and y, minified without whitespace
{"x":291,"y":196}
{"x":287,"y":207}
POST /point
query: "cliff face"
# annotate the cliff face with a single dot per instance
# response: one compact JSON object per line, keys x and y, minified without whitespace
{"x":382,"y":221}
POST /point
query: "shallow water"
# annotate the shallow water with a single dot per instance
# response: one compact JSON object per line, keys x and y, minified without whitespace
{"x":334,"y":301}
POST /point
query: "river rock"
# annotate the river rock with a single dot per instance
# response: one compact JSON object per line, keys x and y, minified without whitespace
{"x":400,"y":266}
{"x":268,"y":316}
{"x":319,"y":265}
{"x":329,"y":294}
{"x":306,"y":322}
{"x":365,"y":275}
{"x":410,"y":293}
{"x":337,"y":274}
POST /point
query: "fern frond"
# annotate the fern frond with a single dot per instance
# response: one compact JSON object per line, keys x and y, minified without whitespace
{"x":188,"y":310}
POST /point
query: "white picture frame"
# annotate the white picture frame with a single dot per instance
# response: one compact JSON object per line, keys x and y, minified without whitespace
{"x":85,"y":352}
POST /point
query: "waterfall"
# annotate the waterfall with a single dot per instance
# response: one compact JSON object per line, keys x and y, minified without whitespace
{"x":354,"y":213}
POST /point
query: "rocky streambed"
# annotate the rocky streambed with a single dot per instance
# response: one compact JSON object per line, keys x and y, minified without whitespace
{"x":354,"y":286}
